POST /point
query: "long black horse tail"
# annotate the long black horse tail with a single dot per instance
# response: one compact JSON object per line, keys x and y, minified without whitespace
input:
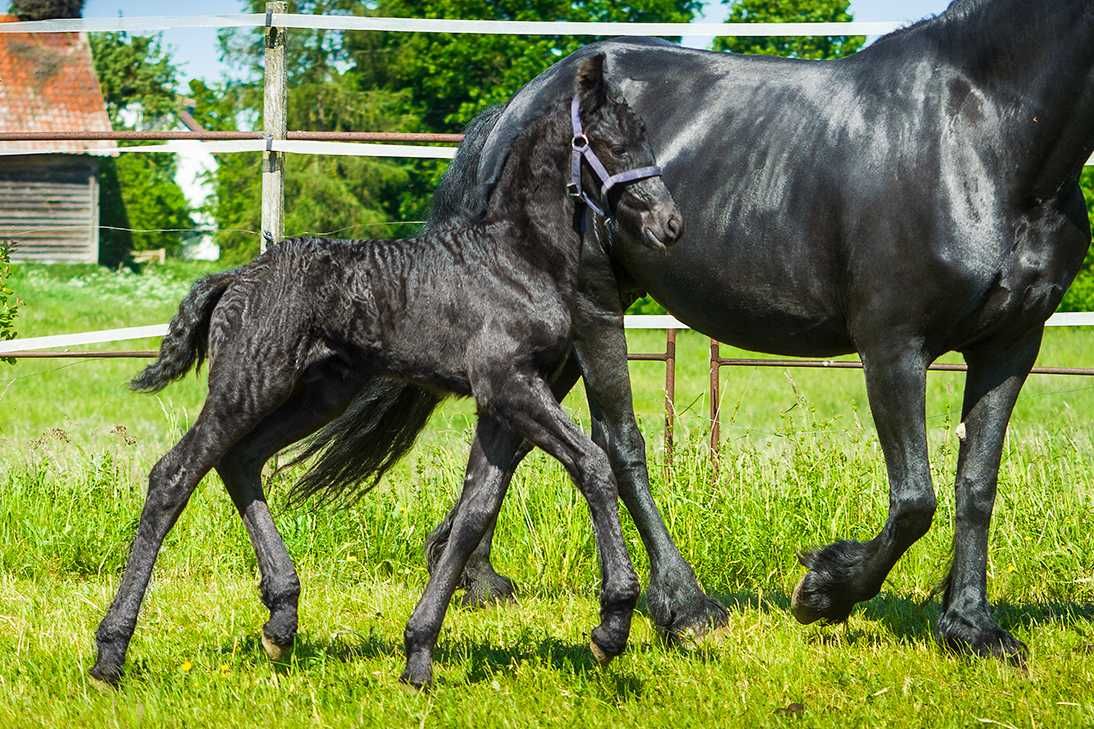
{"x":356,"y":449}
{"x":187,"y":340}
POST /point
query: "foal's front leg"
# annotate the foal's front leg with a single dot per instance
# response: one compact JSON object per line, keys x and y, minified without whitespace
{"x":528,"y":407}
{"x":492,"y":454}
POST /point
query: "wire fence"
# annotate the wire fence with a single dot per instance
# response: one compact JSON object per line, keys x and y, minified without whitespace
{"x":274,"y":142}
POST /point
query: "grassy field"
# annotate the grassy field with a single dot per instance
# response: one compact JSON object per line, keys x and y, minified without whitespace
{"x":801,"y":467}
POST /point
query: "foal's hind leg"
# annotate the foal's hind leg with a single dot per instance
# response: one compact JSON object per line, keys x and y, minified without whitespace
{"x":170,"y":484}
{"x":314,"y":405}
{"x":996,"y":375}
{"x":846,"y":573}
{"x":493,"y":450}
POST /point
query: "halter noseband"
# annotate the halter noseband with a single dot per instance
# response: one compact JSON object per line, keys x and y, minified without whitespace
{"x":583,"y":151}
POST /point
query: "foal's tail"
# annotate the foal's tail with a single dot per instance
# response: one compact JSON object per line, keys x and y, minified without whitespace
{"x":356,"y":449}
{"x":187,"y":339}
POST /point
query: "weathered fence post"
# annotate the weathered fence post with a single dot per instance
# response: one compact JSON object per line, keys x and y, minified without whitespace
{"x":715,"y":407}
{"x":275,"y":119}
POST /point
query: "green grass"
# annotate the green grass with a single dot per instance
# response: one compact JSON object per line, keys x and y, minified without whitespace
{"x":801,"y":467}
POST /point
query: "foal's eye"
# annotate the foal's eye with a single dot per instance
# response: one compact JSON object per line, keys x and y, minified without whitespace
{"x":619,"y":150}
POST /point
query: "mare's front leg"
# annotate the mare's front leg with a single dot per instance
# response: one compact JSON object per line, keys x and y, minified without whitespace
{"x":996,"y":375}
{"x":677,"y":604}
{"x":847,"y":572}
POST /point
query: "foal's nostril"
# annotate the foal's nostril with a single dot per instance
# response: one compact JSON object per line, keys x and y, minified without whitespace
{"x":674,"y":226}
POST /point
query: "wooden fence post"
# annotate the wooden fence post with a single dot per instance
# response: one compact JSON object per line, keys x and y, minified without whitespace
{"x":275,"y":119}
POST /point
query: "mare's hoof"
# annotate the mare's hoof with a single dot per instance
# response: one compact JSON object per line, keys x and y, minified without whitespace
{"x":602,"y":658}
{"x":488,"y":588}
{"x":980,"y":637}
{"x":828,"y":591}
{"x":703,"y":616}
{"x":275,"y":651}
{"x":106,"y":679}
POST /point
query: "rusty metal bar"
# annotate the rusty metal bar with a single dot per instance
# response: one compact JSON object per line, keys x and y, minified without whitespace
{"x":715,"y":409}
{"x":230,"y":136}
{"x":670,"y":398}
{"x":717,"y":362}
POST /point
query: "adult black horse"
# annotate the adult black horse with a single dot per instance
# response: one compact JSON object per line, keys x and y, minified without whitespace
{"x":917,"y":198}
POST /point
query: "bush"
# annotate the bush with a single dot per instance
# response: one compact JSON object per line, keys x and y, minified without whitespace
{"x":9,"y":305}
{"x":47,"y":9}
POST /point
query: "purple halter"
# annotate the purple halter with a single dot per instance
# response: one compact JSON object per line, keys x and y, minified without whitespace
{"x":583,"y":151}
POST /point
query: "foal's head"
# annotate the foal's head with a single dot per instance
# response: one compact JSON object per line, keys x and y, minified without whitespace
{"x":643,"y":209}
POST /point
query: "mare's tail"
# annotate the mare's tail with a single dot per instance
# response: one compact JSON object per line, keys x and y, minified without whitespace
{"x":187,"y":340}
{"x":356,"y":449}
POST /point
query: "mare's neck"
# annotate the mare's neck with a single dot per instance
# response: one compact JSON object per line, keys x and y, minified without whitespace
{"x":1035,"y":62}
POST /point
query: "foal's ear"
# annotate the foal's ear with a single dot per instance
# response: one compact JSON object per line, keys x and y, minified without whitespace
{"x":591,"y":86}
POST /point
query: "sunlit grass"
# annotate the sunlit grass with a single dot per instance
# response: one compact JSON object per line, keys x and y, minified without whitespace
{"x":800,"y":467}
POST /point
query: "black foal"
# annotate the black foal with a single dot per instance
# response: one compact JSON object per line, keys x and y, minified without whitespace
{"x":485,"y":311}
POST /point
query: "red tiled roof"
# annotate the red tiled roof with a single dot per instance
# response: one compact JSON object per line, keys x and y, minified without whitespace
{"x":48,"y":84}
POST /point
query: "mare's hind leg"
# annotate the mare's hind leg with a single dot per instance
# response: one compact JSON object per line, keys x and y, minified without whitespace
{"x":846,"y":573}
{"x":527,"y":405}
{"x":313,"y":406}
{"x":482,"y":583}
{"x":995,"y":378}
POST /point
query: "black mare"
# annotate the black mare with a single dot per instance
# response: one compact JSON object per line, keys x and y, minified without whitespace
{"x":486,"y":311}
{"x":918,"y":198}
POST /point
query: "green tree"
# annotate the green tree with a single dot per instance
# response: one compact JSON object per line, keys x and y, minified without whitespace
{"x":139,"y":191}
{"x":9,"y":304}
{"x":47,"y":9}
{"x":1080,"y":297}
{"x":349,"y":196}
{"x":791,"y":11}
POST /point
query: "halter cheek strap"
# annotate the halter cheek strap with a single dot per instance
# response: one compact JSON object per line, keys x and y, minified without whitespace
{"x":582,"y":151}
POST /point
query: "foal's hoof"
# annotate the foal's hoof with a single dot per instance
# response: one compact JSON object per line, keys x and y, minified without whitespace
{"x":980,"y":637}
{"x":275,"y":651}
{"x":602,"y":658}
{"x":418,"y":674}
{"x":105,"y":678}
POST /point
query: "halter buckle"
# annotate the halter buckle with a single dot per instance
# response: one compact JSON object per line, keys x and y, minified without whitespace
{"x":580,"y":143}
{"x":573,"y":189}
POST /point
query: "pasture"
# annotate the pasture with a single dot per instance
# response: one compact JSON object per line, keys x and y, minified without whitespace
{"x":800,"y":467}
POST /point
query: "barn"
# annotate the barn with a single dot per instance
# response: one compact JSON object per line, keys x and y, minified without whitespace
{"x":49,"y":203}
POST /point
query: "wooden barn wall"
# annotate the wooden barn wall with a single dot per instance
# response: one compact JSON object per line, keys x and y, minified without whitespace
{"x":50,"y":207}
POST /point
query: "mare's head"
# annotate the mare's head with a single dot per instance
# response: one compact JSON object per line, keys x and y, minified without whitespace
{"x":643,"y":209}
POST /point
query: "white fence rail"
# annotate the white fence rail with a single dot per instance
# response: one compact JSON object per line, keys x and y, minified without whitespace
{"x":33,"y":344}
{"x":153,"y":24}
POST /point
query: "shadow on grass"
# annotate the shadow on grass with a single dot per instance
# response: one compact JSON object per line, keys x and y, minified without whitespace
{"x":482,"y":661}
{"x":909,"y":619}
